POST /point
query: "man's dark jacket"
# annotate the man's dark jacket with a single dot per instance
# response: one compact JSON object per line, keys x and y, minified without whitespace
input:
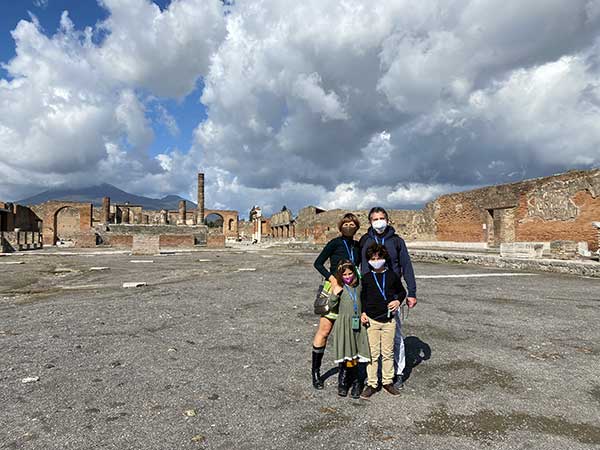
{"x":399,"y":260}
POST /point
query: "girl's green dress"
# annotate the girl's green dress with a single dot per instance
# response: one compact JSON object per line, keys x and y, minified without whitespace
{"x":347,"y":343}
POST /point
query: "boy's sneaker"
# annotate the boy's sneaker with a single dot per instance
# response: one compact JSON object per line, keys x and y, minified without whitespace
{"x":391,"y":389}
{"x":368,"y":392}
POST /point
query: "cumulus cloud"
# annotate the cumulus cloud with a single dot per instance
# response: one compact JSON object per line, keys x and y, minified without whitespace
{"x":75,"y":107}
{"x":337,"y":104}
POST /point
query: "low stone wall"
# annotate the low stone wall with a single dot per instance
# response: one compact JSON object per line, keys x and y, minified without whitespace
{"x":119,"y":240}
{"x":216,"y":241}
{"x":176,"y":241}
{"x":85,"y":239}
{"x":582,"y":268}
{"x":145,"y":244}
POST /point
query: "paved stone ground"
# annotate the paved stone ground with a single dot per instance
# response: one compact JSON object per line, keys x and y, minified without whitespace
{"x":514,"y":360}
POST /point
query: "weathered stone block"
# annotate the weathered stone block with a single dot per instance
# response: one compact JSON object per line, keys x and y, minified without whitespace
{"x":564,"y":249}
{"x":521,"y":250}
{"x":215,"y":241}
{"x":145,"y":244}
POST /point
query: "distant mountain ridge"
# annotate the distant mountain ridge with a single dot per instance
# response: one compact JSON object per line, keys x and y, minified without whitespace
{"x":94,"y":194}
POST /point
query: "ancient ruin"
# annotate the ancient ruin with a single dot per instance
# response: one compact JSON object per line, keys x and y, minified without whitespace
{"x":20,"y":228}
{"x":555,"y":212}
{"x":553,"y":216}
{"x":115,"y":225}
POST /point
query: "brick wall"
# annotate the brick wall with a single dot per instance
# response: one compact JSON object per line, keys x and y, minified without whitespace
{"x":119,"y":240}
{"x":560,"y":207}
{"x":215,"y":241}
{"x":176,"y":241}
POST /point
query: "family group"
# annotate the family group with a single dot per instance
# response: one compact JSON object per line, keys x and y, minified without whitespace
{"x":364,"y":295}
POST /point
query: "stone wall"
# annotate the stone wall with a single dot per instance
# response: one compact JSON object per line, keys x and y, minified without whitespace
{"x":216,"y":241}
{"x":560,"y":207}
{"x":319,"y":226}
{"x":176,"y":241}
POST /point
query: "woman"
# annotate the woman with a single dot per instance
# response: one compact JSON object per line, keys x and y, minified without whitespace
{"x":341,"y":248}
{"x":350,"y":342}
{"x":381,"y":232}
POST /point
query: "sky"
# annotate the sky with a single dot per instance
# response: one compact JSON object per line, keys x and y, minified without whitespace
{"x":342,"y":104}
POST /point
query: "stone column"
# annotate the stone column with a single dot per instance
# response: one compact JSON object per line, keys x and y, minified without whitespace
{"x":182,"y":213}
{"x":200,"y":210}
{"x":105,"y":210}
{"x":597,"y":226}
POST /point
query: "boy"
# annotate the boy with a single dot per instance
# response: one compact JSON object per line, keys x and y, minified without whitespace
{"x":381,"y":296}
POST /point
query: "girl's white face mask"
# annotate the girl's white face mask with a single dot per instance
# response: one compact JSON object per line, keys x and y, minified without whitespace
{"x":379,"y":225}
{"x":377,"y":263}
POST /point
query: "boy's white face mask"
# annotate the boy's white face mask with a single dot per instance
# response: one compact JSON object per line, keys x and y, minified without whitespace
{"x":377,"y":263}
{"x":379,"y":225}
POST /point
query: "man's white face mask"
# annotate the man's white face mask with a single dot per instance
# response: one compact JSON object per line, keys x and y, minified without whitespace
{"x":379,"y":225}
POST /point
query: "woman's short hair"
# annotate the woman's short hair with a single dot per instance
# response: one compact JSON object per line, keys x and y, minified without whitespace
{"x":348,"y":217}
{"x":378,"y":209}
{"x":341,"y":268}
{"x":377,"y":249}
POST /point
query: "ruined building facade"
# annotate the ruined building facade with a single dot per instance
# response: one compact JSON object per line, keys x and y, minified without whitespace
{"x":20,"y":228}
{"x":559,"y":207}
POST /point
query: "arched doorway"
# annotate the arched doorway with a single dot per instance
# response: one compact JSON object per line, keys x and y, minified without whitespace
{"x":67,"y":223}
{"x":214,"y":222}
{"x":230,"y":225}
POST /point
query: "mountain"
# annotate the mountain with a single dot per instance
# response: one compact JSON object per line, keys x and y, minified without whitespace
{"x":94,"y":194}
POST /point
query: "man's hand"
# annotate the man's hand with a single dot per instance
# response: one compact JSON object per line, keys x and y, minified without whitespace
{"x":364,"y":319}
{"x":411,"y":302}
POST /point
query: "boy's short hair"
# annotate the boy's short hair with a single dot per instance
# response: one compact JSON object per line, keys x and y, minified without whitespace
{"x":377,"y":249}
{"x":348,"y":217}
{"x":378,"y":209}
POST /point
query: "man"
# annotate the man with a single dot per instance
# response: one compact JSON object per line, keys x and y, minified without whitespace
{"x":380,"y":232}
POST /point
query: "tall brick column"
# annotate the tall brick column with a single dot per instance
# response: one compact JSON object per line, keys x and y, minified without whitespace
{"x":182,"y":212}
{"x":105,"y":210}
{"x":200,"y":210}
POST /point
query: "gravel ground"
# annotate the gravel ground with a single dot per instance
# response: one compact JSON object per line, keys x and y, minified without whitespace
{"x":210,"y":356}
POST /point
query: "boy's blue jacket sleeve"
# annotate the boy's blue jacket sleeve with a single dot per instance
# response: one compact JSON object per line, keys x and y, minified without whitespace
{"x":407,"y":270}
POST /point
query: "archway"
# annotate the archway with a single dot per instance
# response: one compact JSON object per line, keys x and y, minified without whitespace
{"x":230,"y":225}
{"x":214,"y":221}
{"x":67,"y":223}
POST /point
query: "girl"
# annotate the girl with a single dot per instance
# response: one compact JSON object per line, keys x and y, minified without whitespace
{"x":350,"y":345}
{"x":343,"y":247}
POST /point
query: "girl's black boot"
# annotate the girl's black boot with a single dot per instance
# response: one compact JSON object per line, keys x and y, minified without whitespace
{"x":356,"y":383}
{"x":343,"y":380}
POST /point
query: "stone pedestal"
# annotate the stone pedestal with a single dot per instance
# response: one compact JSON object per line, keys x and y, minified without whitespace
{"x":145,"y":244}
{"x":564,"y":249}
{"x":521,"y":250}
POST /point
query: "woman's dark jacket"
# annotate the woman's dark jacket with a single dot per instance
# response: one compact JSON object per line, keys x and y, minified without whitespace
{"x":336,"y":251}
